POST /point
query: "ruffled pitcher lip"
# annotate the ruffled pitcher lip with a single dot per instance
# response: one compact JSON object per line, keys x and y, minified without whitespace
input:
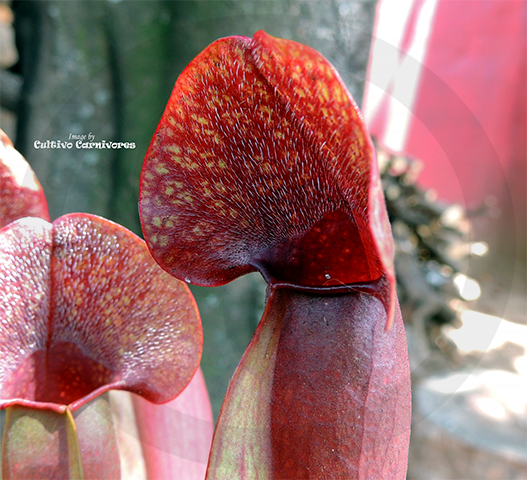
{"x":61,"y":408}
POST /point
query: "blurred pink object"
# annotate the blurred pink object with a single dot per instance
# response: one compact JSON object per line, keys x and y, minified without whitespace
{"x":176,"y":436}
{"x":447,"y":84}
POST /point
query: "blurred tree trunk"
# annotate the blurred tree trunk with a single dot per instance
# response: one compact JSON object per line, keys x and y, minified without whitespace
{"x":89,"y":68}
{"x":108,"y":67}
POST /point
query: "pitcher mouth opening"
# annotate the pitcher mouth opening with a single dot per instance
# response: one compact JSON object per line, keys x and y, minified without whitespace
{"x":372,"y":287}
{"x":334,"y":254}
{"x":62,"y":378}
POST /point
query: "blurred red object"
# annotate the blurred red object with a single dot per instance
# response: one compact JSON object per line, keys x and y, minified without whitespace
{"x":447,"y":84}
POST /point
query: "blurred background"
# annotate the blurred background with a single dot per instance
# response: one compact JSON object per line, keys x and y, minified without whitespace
{"x":442,"y":88}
